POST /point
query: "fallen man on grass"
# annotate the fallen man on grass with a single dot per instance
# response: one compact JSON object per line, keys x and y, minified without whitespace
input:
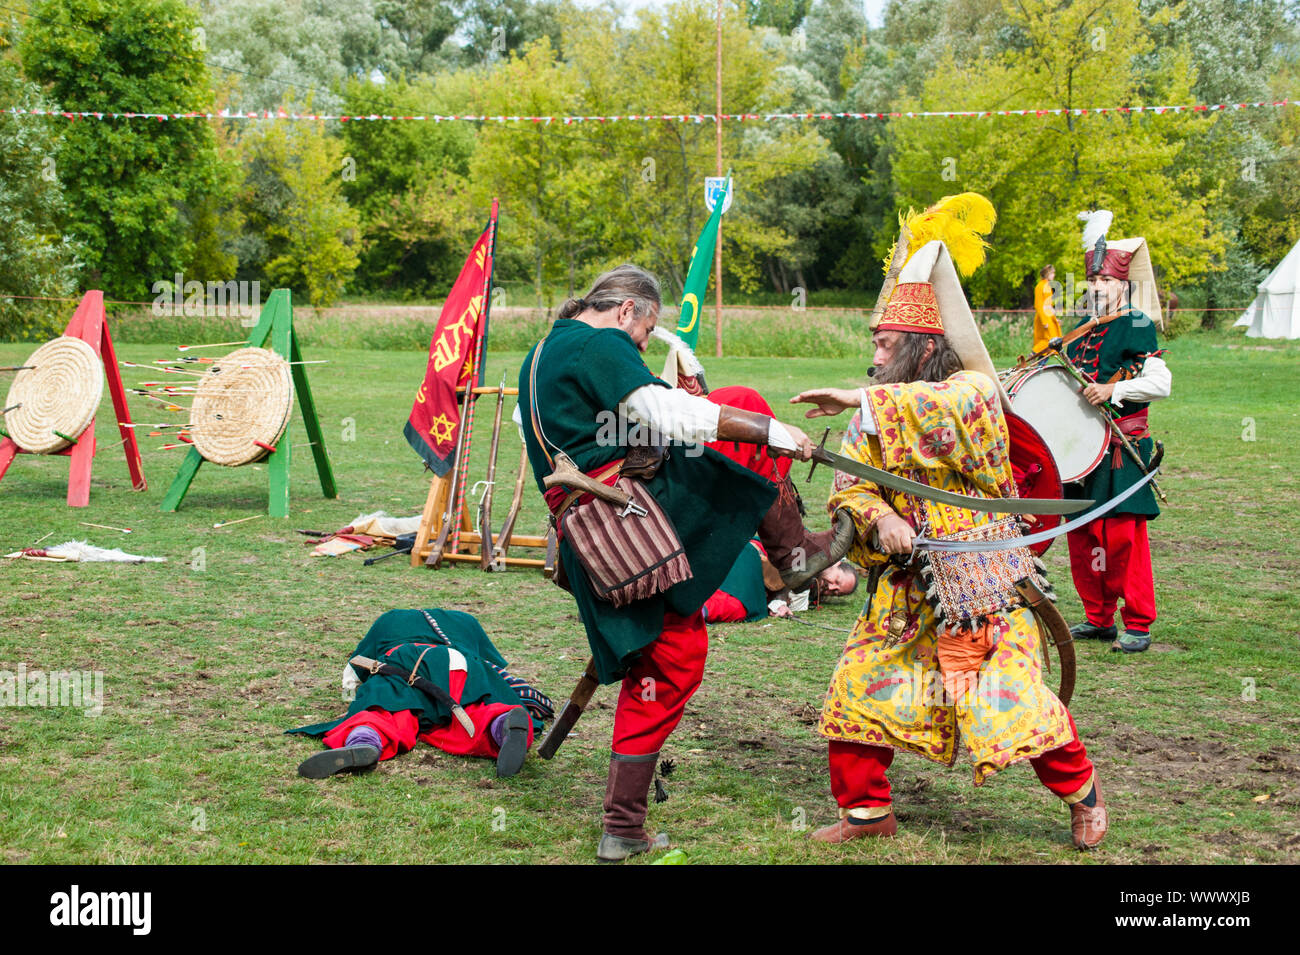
{"x":430,"y":675}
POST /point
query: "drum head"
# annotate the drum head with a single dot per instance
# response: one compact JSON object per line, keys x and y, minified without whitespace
{"x":1053,"y":404}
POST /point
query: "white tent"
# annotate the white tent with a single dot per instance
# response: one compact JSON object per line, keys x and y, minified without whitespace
{"x":1275,"y":313}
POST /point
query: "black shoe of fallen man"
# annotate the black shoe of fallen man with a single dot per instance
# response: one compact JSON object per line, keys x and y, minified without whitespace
{"x":1088,"y":631}
{"x":1132,"y":641}
{"x":511,"y":758}
{"x":346,"y":759}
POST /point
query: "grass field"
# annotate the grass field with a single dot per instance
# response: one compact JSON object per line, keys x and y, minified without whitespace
{"x":205,"y":668}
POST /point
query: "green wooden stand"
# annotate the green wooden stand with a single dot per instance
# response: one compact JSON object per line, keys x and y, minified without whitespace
{"x":275,"y":323}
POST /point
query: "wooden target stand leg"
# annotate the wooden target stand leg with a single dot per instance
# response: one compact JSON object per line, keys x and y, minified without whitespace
{"x":90,"y":324}
{"x":466,"y":548}
{"x":275,"y":323}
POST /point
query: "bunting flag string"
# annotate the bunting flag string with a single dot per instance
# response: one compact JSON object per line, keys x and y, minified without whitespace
{"x":656,"y":117}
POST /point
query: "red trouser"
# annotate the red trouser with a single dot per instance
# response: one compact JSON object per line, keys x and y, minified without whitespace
{"x":658,"y":684}
{"x":858,"y":777}
{"x":1109,"y":559}
{"x":400,"y":730}
{"x":724,"y":608}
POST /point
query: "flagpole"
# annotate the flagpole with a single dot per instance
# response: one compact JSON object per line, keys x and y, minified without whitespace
{"x":480,"y":347}
{"x":717,"y":283}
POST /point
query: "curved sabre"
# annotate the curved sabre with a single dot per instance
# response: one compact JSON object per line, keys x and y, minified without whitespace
{"x":976,"y":547}
{"x":988,"y":505}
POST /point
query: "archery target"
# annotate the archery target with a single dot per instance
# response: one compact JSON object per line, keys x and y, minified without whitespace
{"x":244,"y":398}
{"x":61,"y":393}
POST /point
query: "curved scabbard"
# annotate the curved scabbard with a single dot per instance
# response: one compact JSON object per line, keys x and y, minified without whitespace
{"x":1053,"y":629}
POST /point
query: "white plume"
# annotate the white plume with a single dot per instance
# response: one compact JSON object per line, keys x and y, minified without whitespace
{"x":686,"y":358}
{"x":1095,"y":225}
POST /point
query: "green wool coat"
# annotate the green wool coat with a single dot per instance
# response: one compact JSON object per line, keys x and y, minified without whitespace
{"x":582,"y":376}
{"x":399,"y":637}
{"x":1124,"y":342}
{"x":745,"y":583}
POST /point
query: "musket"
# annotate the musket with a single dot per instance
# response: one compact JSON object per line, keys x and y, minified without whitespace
{"x":435,"y":553}
{"x":508,"y":527}
{"x":1110,"y":415}
{"x":573,"y":709}
{"x":486,"y":558}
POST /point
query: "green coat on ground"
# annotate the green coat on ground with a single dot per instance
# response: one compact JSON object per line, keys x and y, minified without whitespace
{"x":1125,"y":342}
{"x":399,"y":637}
{"x":745,"y":583}
{"x":582,"y":375}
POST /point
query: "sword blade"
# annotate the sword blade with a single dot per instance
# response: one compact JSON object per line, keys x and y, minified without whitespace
{"x":979,"y":547}
{"x":1006,"y":505}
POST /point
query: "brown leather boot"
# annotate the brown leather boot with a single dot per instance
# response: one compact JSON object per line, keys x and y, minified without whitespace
{"x":796,"y":552}
{"x":1088,"y":824}
{"x":626,"y":795}
{"x":844,"y":830}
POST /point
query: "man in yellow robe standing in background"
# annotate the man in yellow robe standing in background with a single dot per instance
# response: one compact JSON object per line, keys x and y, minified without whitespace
{"x":1046,"y":325}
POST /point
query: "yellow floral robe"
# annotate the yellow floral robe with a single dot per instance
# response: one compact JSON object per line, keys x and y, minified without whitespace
{"x":949,"y":435}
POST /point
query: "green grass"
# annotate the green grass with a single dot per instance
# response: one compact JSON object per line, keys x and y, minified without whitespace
{"x":204,"y":669}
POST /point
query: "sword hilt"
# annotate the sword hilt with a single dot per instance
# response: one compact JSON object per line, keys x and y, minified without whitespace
{"x":815,"y":461}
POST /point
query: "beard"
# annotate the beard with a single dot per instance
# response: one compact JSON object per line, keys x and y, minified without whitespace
{"x":900,"y":369}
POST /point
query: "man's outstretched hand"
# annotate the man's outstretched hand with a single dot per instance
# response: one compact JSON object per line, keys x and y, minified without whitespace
{"x":829,"y":401}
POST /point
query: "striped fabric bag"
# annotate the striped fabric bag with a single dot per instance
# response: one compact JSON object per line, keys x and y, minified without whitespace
{"x":628,"y":557}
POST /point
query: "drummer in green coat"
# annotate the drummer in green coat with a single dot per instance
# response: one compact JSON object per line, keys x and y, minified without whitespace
{"x":431,"y":675}
{"x":582,"y":391}
{"x":1110,"y":558}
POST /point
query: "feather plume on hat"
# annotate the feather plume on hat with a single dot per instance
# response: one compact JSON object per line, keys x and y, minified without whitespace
{"x":1095,"y":225}
{"x":960,"y":222}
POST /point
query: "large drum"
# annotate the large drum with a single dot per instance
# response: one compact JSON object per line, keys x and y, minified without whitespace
{"x":1052,"y":401}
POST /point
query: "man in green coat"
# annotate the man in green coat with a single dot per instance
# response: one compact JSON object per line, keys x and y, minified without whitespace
{"x":1110,"y":558}
{"x":431,"y":675}
{"x":582,"y":390}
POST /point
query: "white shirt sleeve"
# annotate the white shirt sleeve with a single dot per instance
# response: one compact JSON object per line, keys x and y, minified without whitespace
{"x":1154,"y":383}
{"x":867,"y":418}
{"x":679,"y":416}
{"x":674,"y":414}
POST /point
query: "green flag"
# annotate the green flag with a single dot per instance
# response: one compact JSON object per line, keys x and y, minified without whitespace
{"x":697,"y":276}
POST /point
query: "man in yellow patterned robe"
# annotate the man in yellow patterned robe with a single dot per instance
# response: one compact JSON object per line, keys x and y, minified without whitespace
{"x":921,"y":674}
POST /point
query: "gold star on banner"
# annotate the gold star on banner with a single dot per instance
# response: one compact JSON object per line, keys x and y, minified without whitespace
{"x":442,"y":429}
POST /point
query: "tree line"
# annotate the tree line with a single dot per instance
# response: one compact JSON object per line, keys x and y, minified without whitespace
{"x":387,"y":209}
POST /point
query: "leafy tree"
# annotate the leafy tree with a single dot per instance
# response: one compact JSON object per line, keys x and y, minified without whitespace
{"x":666,"y":62}
{"x":273,"y":51}
{"x":782,"y":15}
{"x":35,"y":259}
{"x":304,"y":234}
{"x":409,"y":182}
{"x":555,"y":189}
{"x":135,"y":189}
{"x":1041,"y":171}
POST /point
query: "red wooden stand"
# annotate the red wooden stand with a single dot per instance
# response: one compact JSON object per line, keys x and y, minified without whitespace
{"x":90,"y":324}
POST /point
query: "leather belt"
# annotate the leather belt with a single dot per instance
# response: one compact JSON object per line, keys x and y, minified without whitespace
{"x":376,"y":668}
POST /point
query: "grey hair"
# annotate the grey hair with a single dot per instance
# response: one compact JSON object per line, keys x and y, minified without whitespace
{"x":615,"y":287}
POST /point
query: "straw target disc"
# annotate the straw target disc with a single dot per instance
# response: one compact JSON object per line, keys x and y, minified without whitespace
{"x":60,"y":394}
{"x":244,"y":398}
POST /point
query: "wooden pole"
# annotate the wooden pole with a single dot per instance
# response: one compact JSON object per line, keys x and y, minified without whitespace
{"x":717,"y":282}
